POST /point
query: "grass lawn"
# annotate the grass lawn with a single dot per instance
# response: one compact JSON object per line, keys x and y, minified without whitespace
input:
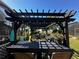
{"x":74,"y":43}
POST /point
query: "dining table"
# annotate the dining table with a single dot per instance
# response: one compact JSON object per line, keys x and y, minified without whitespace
{"x":38,"y":48}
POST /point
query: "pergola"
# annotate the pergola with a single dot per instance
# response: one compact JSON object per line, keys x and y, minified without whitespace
{"x":42,"y":19}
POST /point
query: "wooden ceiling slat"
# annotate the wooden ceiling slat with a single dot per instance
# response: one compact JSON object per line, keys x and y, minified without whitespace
{"x":20,"y":11}
{"x":75,"y":12}
{"x":31,"y":11}
{"x":14,"y":10}
{"x":65,"y":11}
{"x":54,"y":11}
{"x":26,"y":11}
{"x":43,"y":11}
{"x":49,"y":11}
{"x":60,"y":11}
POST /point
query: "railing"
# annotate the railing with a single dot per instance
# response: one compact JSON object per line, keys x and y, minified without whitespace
{"x":75,"y":55}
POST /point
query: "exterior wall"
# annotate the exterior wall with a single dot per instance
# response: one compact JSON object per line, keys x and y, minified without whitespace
{"x":4,"y":30}
{"x":74,"y":29}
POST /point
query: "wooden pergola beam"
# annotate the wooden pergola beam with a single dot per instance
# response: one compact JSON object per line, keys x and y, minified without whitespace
{"x":40,"y":19}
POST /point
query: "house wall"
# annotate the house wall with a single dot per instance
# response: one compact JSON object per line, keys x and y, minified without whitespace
{"x":74,"y":29}
{"x":4,"y":30}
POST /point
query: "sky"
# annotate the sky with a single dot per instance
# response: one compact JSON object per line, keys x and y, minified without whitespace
{"x":45,"y":4}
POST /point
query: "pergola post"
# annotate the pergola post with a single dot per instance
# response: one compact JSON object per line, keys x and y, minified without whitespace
{"x":15,"y":31}
{"x":67,"y":34}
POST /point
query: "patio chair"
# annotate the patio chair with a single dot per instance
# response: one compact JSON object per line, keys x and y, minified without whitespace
{"x":24,"y":55}
{"x":61,"y":55}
